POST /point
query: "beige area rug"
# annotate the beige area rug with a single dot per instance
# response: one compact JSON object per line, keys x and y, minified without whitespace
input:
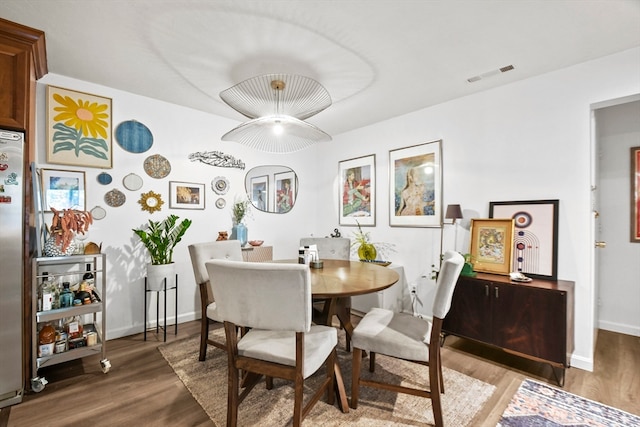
{"x":207,"y":381}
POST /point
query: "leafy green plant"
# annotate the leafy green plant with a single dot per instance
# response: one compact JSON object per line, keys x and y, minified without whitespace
{"x":161,"y":237}
{"x":240,"y":209}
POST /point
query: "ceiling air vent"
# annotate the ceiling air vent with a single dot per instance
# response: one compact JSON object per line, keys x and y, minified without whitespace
{"x":490,"y":73}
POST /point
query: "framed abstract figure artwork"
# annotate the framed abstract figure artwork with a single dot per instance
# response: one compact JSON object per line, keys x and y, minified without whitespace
{"x":260,"y":192}
{"x":491,"y":245}
{"x":285,"y":191}
{"x":535,"y":241}
{"x":357,"y":191}
{"x":635,"y":195}
{"x":78,"y":129}
{"x":415,"y":186}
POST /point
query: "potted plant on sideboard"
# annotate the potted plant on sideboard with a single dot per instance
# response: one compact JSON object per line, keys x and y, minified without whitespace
{"x":160,"y":238}
{"x":66,"y":224}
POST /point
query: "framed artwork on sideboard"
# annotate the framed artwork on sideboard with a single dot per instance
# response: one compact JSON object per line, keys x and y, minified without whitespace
{"x":491,"y":245}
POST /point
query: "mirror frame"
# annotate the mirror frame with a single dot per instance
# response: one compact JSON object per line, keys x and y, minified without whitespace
{"x":268,"y":181}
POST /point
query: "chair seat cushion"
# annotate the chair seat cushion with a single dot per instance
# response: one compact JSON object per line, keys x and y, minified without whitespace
{"x":394,"y":334}
{"x":280,"y":346}
{"x":212,"y":312}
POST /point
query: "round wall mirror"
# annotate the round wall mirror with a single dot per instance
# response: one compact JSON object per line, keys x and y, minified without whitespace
{"x":272,"y":188}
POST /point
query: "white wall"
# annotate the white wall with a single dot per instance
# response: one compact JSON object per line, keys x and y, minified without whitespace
{"x":527,"y":140}
{"x":618,"y":129}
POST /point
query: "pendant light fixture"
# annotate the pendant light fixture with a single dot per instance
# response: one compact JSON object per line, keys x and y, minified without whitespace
{"x":277,"y":105}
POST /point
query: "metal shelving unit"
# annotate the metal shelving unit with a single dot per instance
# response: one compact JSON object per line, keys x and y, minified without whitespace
{"x":69,"y":266}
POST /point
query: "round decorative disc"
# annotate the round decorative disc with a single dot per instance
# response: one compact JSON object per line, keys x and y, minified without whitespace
{"x":133,"y":136}
{"x":132,"y":182}
{"x":220,"y":203}
{"x":104,"y":178}
{"x":157,"y":166}
{"x":98,"y":212}
{"x":151,"y":202}
{"x":115,"y":198}
{"x":220,"y":185}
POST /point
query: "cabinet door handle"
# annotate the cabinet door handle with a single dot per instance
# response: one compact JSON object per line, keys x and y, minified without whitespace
{"x":486,"y":290}
{"x":496,"y":291}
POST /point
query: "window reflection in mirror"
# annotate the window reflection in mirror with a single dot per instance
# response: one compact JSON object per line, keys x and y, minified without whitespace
{"x":272,"y":188}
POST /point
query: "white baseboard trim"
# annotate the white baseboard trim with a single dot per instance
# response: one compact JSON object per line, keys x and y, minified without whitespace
{"x":620,"y":328}
{"x":586,"y":364}
{"x":137,"y":328}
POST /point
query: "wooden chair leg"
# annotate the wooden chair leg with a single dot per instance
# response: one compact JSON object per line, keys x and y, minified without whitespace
{"x":297,"y":402}
{"x":232,"y":397}
{"x":372,"y":362}
{"x":204,"y":336}
{"x":435,"y":381}
{"x":355,"y":377}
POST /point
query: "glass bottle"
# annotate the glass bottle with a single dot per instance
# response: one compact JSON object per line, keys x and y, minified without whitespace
{"x":74,"y":327}
{"x":88,"y":276}
{"x":41,"y":289}
{"x":55,"y":291}
{"x":46,"y":293}
{"x":66,"y":296}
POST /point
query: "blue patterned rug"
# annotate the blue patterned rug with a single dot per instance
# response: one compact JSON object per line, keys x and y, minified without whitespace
{"x":540,"y":405}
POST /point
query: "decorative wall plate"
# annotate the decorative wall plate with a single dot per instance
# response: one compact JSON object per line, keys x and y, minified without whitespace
{"x":151,"y":202}
{"x":133,"y":136}
{"x":220,"y":203}
{"x":220,"y":185}
{"x":157,"y":166}
{"x":104,"y":178}
{"x":98,"y":212}
{"x":115,"y":198}
{"x":132,"y":182}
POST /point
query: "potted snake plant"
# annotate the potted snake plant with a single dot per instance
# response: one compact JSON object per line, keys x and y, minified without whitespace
{"x":160,"y":238}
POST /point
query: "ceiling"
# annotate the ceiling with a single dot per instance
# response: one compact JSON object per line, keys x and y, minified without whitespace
{"x":378,"y":59}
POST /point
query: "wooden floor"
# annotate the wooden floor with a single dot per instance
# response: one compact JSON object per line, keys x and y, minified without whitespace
{"x":142,"y":390}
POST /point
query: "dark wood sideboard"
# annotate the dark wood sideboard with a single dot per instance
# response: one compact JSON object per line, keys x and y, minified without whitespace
{"x":532,"y":320}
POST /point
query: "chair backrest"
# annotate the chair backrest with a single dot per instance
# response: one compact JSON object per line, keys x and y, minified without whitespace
{"x":452,"y":264}
{"x":275,"y":296}
{"x":329,"y":247}
{"x":202,"y":252}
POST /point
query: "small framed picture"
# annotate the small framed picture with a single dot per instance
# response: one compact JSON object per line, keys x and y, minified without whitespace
{"x":491,"y":245}
{"x":285,"y":191}
{"x":357,"y":191}
{"x":415,"y":186}
{"x":186,"y":195}
{"x":63,"y":189}
{"x":260,"y":192}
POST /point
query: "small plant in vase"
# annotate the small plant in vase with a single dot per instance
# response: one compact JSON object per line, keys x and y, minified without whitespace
{"x":239,"y":211}
{"x":65,"y":225}
{"x":368,"y":251}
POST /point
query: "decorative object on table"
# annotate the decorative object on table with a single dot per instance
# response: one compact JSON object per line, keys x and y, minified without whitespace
{"x":157,"y":166}
{"x":220,"y":185}
{"x":132,"y":182}
{"x":98,"y":213}
{"x":241,"y":207}
{"x":285,"y":191}
{"x":256,"y":242}
{"x":467,"y":268}
{"x":635,"y":195}
{"x":186,"y":195}
{"x":220,"y":203}
{"x":151,"y":202}
{"x":366,"y":250}
{"x":160,"y":238}
{"x":535,"y":240}
{"x":115,"y":198}
{"x":92,"y":248}
{"x":134,"y":136}
{"x":217,"y":158}
{"x":336,"y":233}
{"x":63,"y":189}
{"x":519,"y":277}
{"x":357,"y":191}
{"x":277,"y":105}
{"x":78,"y":128}
{"x":222,"y":235}
{"x":415,"y":187}
{"x":492,"y":245}
{"x":65,"y":225}
{"x":104,"y":178}
{"x":540,"y":404}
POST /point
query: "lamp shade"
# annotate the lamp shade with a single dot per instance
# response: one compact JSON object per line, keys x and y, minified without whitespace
{"x":453,"y":212}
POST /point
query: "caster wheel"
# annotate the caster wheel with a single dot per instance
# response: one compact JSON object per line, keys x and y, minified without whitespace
{"x":38,"y":383}
{"x":106,"y":365}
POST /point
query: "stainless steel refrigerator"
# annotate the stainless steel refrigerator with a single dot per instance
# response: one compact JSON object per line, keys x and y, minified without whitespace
{"x":11,"y":280}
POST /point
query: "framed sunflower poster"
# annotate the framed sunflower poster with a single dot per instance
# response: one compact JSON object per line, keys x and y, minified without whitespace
{"x":78,"y":129}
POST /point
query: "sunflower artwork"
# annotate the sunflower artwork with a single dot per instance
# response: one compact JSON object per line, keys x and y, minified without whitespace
{"x":78,"y":128}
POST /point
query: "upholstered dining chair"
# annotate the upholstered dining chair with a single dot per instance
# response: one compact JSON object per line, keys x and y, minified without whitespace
{"x":407,"y":337}
{"x":273,"y":301}
{"x":200,"y":253}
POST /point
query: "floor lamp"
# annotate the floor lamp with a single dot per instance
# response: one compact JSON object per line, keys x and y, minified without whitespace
{"x":453,"y":212}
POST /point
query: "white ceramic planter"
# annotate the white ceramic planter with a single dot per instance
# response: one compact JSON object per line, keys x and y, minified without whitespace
{"x":157,"y":273}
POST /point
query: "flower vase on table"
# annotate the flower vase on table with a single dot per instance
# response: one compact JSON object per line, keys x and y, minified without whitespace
{"x":241,"y":233}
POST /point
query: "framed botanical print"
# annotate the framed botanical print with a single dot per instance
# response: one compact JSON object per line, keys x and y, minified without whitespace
{"x":535,"y":241}
{"x":415,"y":186}
{"x":285,"y":191}
{"x":635,"y":195}
{"x":259,"y":192}
{"x":491,"y":245}
{"x":186,"y":195}
{"x":78,"y":128}
{"x":357,"y":191}
{"x":63,"y":189}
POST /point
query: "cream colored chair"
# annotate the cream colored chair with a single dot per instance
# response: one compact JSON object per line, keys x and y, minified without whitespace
{"x":200,"y":253}
{"x":406,"y":337}
{"x":273,"y":302}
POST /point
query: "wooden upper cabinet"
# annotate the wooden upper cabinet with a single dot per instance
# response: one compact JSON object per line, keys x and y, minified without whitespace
{"x":22,"y":61}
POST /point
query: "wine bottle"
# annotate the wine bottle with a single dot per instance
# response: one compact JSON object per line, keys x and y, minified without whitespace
{"x":88,"y":276}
